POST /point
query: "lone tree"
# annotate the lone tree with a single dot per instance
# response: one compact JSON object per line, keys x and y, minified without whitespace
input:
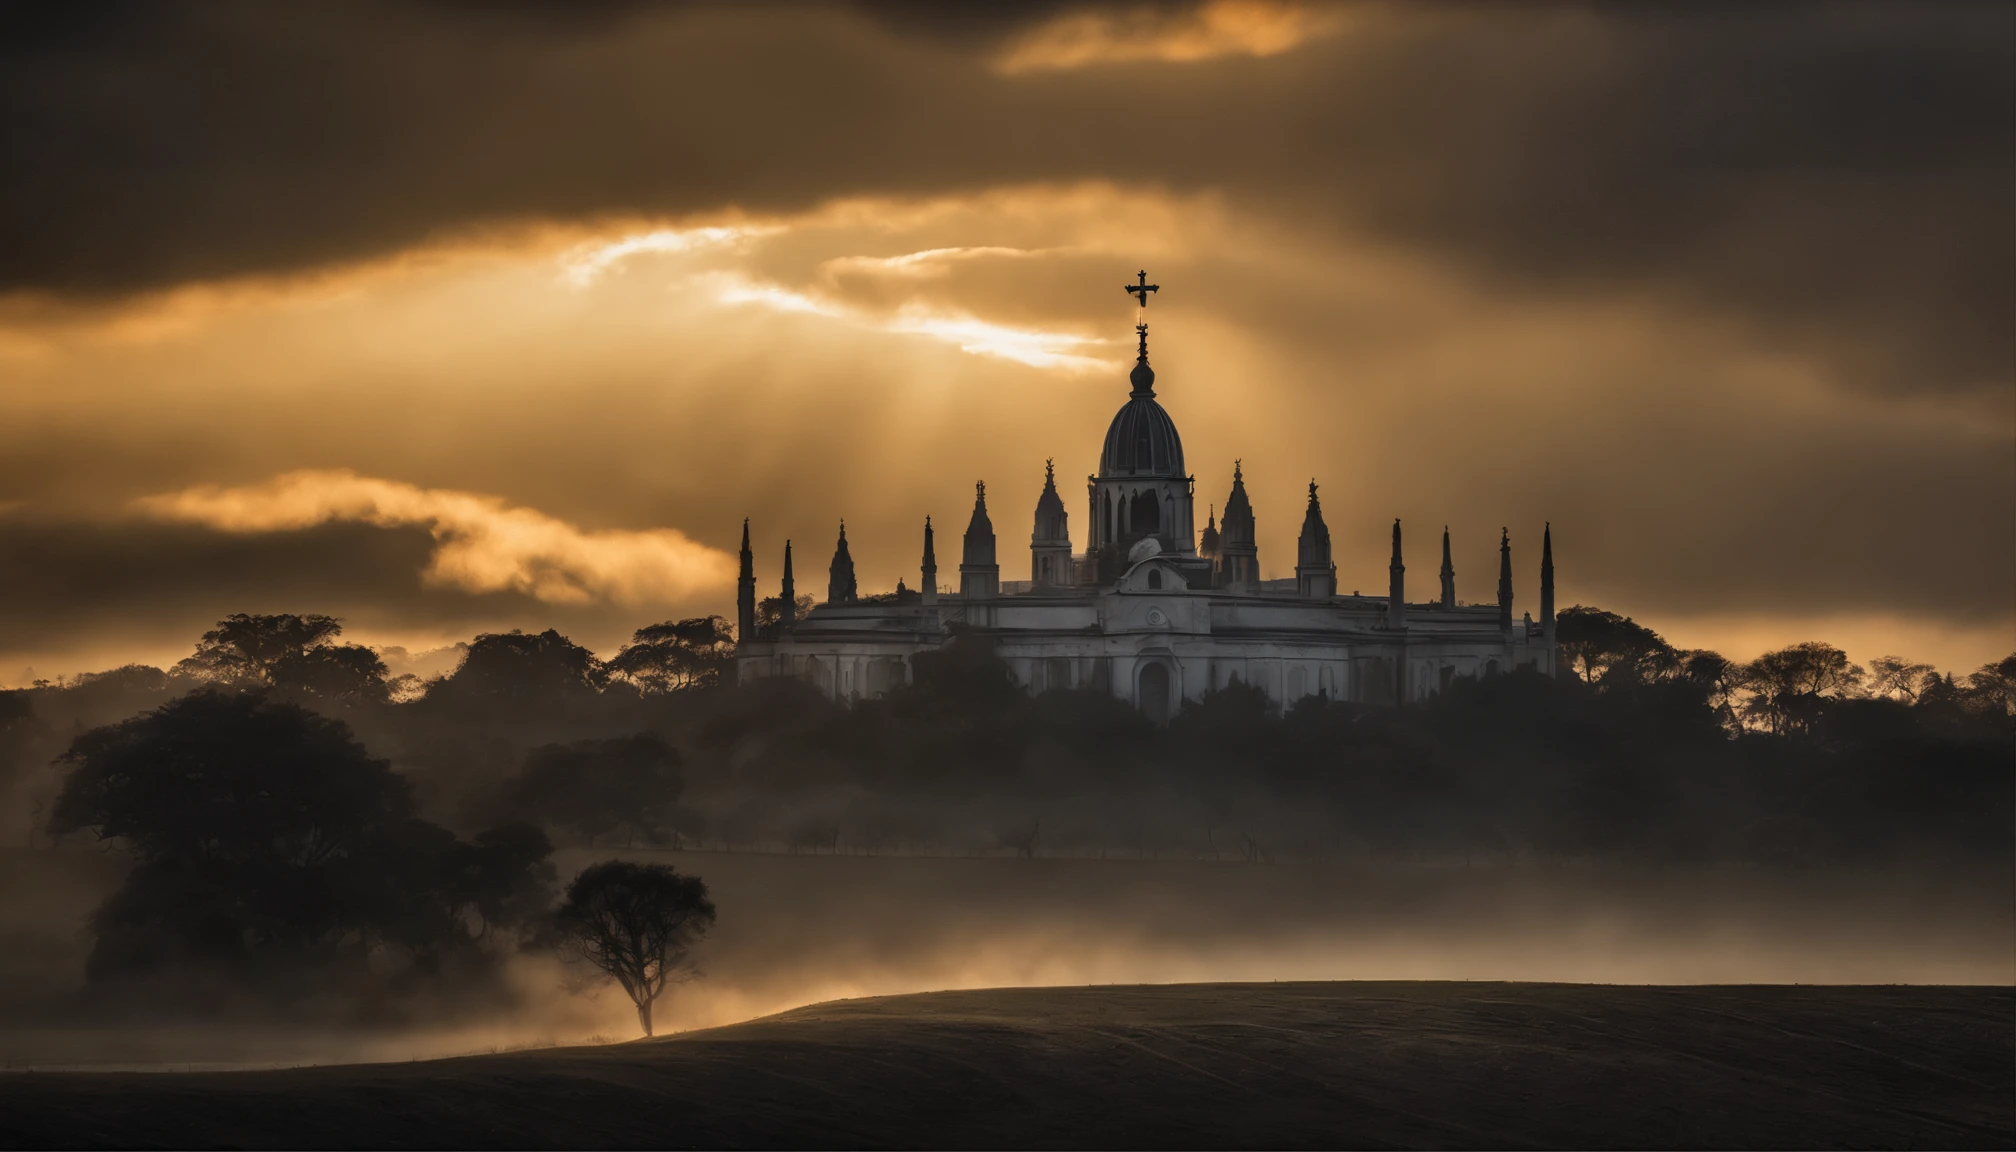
{"x":636,"y":922}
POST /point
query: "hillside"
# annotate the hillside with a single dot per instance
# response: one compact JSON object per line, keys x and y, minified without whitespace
{"x":1309,"y":1064}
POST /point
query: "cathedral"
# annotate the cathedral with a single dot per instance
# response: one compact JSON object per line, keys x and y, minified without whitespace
{"x":1152,"y":610}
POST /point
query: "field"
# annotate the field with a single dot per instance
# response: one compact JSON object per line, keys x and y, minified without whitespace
{"x":1434,"y":1064}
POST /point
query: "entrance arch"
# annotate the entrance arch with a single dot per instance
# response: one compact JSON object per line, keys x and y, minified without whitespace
{"x":1153,"y":693}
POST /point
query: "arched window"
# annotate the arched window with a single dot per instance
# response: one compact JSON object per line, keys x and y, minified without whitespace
{"x":1111,"y":535}
{"x":1146,"y":514}
{"x":1155,"y":578}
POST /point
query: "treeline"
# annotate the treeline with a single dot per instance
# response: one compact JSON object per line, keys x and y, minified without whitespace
{"x":1637,"y":751}
{"x":304,"y":827}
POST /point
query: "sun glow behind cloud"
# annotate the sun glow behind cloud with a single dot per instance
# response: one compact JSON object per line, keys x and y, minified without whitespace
{"x":483,"y":544}
{"x":1048,"y":350}
{"x":838,"y":361}
{"x":1205,"y":31}
{"x":586,"y":263}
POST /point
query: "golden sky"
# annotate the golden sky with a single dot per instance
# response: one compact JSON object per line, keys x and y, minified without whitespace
{"x":450,"y":320}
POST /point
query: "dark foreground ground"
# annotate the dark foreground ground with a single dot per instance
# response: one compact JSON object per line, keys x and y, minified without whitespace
{"x":1202,"y":1065}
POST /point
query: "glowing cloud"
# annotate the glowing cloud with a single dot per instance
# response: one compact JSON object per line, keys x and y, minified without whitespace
{"x":583,"y":265}
{"x":1035,"y":348}
{"x":482,"y":543}
{"x":1207,"y":31}
{"x":930,"y":262}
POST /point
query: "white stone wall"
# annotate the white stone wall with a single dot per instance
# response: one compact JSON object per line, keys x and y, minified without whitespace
{"x":1287,"y":646}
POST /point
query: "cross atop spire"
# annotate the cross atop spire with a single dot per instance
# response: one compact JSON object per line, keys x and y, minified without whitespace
{"x":1141,"y":288}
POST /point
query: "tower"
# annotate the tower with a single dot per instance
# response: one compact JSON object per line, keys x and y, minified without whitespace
{"x":979,"y":575}
{"x":787,"y":612}
{"x":1050,"y":544}
{"x":930,"y":568}
{"x":1315,"y":575}
{"x":840,"y":578}
{"x":1547,"y":582}
{"x":1238,"y":556}
{"x":1396,"y":585}
{"x":1504,"y":580}
{"x":1448,"y":572}
{"x":1141,"y":489}
{"x":1207,"y":544}
{"x":745,"y":592}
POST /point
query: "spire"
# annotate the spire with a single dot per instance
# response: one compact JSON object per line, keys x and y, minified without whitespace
{"x":979,"y":574}
{"x":788,"y":610}
{"x":1547,"y":582}
{"x":1448,"y":572}
{"x":1207,"y":546}
{"x":1396,"y":586}
{"x":840,"y":579}
{"x":1238,"y":554}
{"x":745,"y":592}
{"x":930,"y":567}
{"x":1143,"y":377}
{"x":1050,"y":543}
{"x":1504,"y":580}
{"x":1052,"y":522}
{"x":1315,"y":575}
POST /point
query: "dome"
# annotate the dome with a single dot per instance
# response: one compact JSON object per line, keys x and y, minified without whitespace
{"x":1142,"y":440}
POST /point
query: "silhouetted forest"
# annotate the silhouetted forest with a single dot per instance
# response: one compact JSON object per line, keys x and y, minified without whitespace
{"x":299,"y":818}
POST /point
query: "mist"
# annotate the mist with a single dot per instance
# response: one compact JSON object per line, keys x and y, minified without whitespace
{"x":804,"y":929}
{"x":1652,"y":816}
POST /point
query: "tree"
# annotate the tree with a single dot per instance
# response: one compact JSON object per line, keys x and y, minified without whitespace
{"x":272,"y":847}
{"x":417,"y":887}
{"x":636,"y":923}
{"x":770,"y":612}
{"x":515,"y":666}
{"x":1897,"y":677}
{"x":1992,"y":687}
{"x":244,"y":648}
{"x":674,"y":655}
{"x":590,"y":788}
{"x":340,"y":673}
{"x":215,"y":776}
{"x":1717,"y":677}
{"x":1787,"y":684}
{"x":1595,"y":645}
{"x":292,"y":653}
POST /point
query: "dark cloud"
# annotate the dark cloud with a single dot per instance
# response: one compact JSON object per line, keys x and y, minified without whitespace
{"x":1834,"y":178}
{"x":68,"y":585}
